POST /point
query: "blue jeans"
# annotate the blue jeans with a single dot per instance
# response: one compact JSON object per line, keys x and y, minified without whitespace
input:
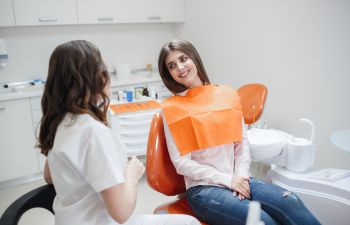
{"x":218,"y":206}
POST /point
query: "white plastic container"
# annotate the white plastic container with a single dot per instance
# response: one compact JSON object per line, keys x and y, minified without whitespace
{"x":301,"y":154}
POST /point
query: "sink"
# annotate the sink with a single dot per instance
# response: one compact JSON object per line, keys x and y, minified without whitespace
{"x":265,"y":143}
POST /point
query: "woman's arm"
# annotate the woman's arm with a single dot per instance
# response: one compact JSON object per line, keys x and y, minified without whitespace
{"x":185,"y":166}
{"x":47,"y":174}
{"x":120,"y":199}
{"x":240,"y":183}
{"x":102,"y":166}
{"x":242,"y":155}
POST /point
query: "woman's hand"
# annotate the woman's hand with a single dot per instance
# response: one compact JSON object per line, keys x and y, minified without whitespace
{"x":120,"y":199}
{"x":240,"y":186}
{"x":134,"y":169}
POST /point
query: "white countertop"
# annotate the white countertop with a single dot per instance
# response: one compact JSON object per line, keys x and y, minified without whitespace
{"x":37,"y":90}
{"x":22,"y":93}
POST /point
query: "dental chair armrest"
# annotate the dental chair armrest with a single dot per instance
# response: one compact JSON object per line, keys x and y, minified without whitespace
{"x":41,"y":197}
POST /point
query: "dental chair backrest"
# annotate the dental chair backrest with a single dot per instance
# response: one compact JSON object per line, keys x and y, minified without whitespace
{"x":160,"y":171}
{"x":253,"y":97}
{"x":161,"y":174}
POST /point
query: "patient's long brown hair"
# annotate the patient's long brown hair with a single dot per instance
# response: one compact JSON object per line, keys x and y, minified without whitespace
{"x":75,"y":84}
{"x":187,"y":48}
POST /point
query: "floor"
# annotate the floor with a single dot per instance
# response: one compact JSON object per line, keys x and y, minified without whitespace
{"x":148,"y":200}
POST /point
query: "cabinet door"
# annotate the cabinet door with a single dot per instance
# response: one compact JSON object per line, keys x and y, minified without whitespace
{"x":35,"y":103}
{"x":103,"y":11}
{"x":17,"y":154}
{"x":45,"y":12}
{"x":155,"y":11}
{"x":7,"y":17}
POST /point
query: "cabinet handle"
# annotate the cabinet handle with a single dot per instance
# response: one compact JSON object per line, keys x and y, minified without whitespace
{"x":154,"y":18}
{"x":105,"y":18}
{"x":47,"y":19}
{"x":3,"y":108}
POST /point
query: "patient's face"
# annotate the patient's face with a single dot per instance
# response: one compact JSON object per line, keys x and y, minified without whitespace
{"x":182,"y":69}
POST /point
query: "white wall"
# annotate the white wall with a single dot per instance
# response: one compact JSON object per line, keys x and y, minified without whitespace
{"x":29,"y":48}
{"x":299,"y":48}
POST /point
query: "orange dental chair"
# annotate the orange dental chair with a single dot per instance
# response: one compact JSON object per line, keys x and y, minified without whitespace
{"x":161,"y":174}
{"x":253,"y":97}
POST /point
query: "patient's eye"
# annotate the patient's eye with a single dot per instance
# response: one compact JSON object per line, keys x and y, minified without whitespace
{"x":183,"y":58}
{"x":171,"y":66}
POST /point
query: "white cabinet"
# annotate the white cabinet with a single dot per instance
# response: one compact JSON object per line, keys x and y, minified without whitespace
{"x":103,"y":11}
{"x":20,"y":119}
{"x":45,"y":12}
{"x":155,"y":11}
{"x":67,"y":12}
{"x":35,"y":105}
{"x":7,"y":17}
{"x":17,"y":154}
{"x":133,"y":129}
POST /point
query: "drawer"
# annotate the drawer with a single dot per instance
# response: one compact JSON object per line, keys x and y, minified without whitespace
{"x":134,"y":121}
{"x":136,"y":147}
{"x":140,"y":143}
{"x":136,"y":125}
{"x":135,"y":128}
{"x":137,"y":116}
{"x":132,"y":135}
{"x":136,"y":152}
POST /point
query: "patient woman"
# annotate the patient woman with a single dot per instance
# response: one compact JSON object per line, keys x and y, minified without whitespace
{"x":86,"y":163}
{"x":208,"y":146}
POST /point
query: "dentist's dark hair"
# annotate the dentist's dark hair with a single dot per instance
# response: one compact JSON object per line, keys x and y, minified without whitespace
{"x":187,"y":48}
{"x":75,"y":84}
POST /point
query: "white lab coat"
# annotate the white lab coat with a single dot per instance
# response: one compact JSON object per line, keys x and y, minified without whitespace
{"x":87,"y":158}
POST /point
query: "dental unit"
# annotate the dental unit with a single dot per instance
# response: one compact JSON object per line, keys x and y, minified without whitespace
{"x":326,"y":192}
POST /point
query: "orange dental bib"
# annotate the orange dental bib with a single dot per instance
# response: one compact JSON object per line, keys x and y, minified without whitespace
{"x":206,"y":116}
